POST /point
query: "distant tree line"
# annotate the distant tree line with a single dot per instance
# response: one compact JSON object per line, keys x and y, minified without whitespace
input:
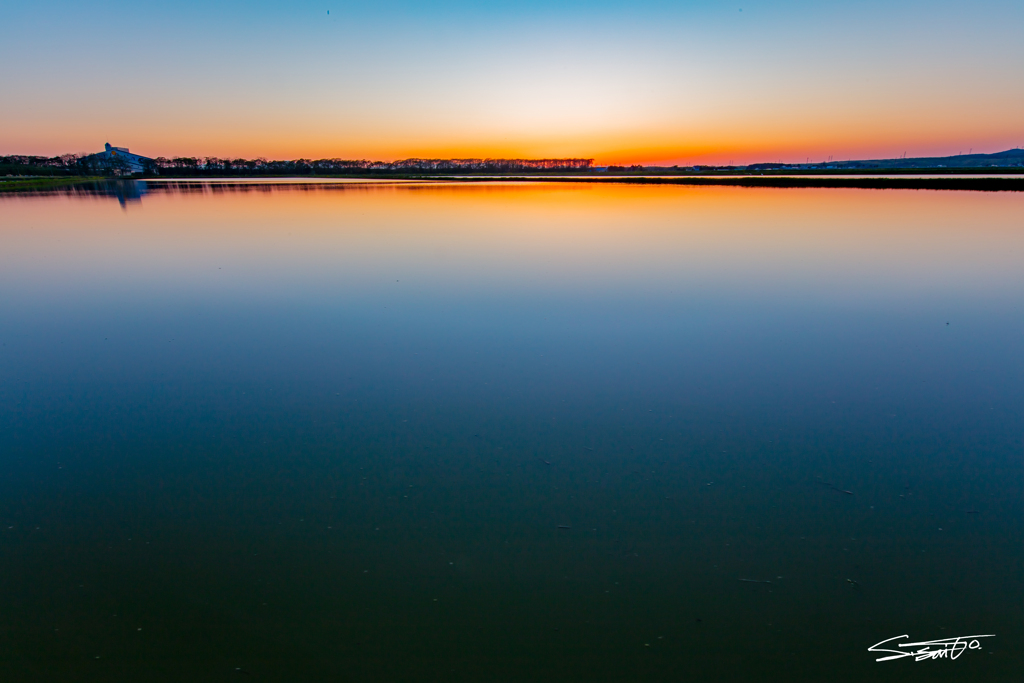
{"x":81,"y":164}
{"x":200,"y":166}
{"x":21,"y":164}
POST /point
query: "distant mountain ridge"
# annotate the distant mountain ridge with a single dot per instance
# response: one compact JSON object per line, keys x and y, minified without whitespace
{"x":965,"y":160}
{"x":1005,"y":159}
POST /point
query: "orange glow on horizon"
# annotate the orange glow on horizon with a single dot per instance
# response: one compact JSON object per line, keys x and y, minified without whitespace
{"x":664,"y":143}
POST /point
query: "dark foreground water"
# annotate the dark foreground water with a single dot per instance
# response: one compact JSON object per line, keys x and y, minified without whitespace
{"x":508,"y":433}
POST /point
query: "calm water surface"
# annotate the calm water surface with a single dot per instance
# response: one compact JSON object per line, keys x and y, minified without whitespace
{"x":509,"y":433}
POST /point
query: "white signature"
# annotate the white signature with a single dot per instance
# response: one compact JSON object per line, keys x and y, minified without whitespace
{"x":946,"y":648}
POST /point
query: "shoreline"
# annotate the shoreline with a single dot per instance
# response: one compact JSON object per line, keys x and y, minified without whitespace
{"x":972,"y":184}
{"x":796,"y":182}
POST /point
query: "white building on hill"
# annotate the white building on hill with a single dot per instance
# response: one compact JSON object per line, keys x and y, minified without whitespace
{"x":119,"y":158}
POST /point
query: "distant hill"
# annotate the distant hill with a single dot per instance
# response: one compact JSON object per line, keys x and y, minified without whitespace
{"x":1009,"y":159}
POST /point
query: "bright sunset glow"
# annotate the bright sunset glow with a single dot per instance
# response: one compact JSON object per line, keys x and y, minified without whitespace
{"x":654,"y":82}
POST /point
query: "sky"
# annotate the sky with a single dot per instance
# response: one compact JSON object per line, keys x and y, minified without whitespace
{"x":679,"y":82}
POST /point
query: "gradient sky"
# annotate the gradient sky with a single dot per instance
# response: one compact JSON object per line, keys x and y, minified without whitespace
{"x":635,"y":82}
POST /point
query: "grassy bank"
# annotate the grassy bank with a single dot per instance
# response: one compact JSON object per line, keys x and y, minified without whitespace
{"x":36,"y":184}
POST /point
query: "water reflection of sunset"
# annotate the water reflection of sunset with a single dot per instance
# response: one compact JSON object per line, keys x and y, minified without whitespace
{"x":495,"y":236}
{"x":596,"y":406}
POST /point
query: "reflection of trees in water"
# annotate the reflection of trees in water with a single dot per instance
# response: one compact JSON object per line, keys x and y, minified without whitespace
{"x":124,"y":191}
{"x":127,"y":191}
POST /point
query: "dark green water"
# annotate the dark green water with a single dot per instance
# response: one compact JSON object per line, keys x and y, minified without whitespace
{"x":335,"y":434}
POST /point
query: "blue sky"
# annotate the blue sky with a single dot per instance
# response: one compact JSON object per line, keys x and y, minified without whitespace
{"x":646,"y":81}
